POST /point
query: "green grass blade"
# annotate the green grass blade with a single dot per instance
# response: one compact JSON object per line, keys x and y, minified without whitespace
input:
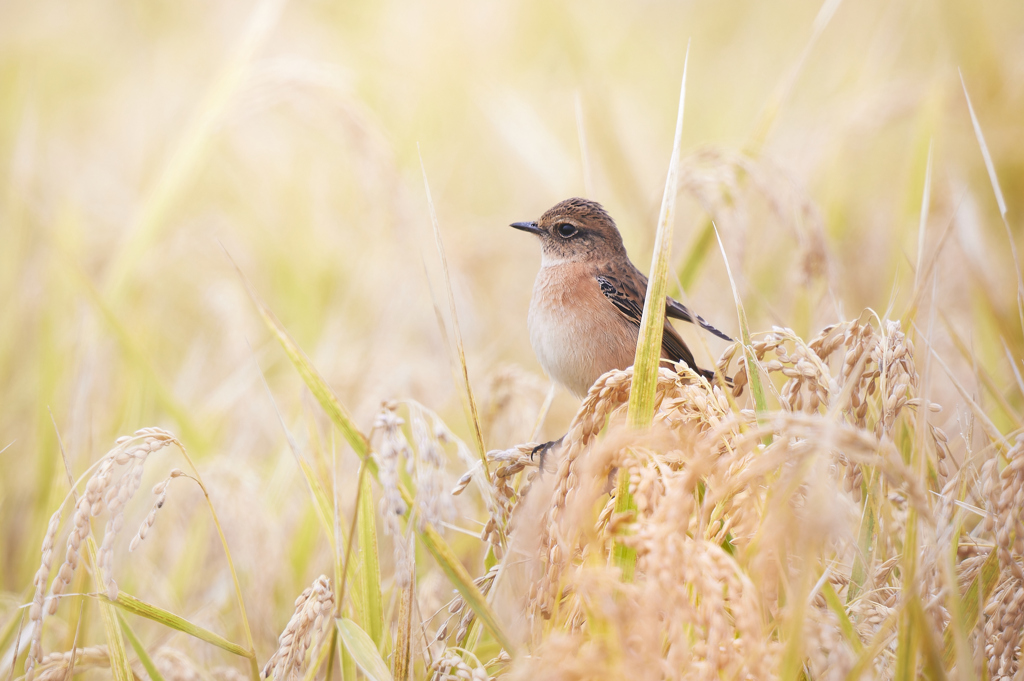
{"x":845,"y":625}
{"x":349,"y":670}
{"x":363,"y":650}
{"x":624,"y":556}
{"x":907,"y":643}
{"x":321,"y":503}
{"x":753,"y":373}
{"x":369,"y":566}
{"x":140,"y":650}
{"x":462,"y":581}
{"x":119,"y":666}
{"x":791,"y":629}
{"x":932,"y":666}
{"x":403,"y":645}
{"x":171,"y":621}
{"x":652,"y":326}
{"x":867,"y":533}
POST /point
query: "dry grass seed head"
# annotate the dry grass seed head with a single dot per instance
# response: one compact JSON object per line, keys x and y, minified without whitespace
{"x":710,"y":612}
{"x":160,"y":490}
{"x":106,"y":490}
{"x":510,"y":462}
{"x":452,"y":667}
{"x":55,"y":666}
{"x":392,"y":448}
{"x":466,"y":616}
{"x":1004,"y":622}
{"x":313,"y":608}
{"x":1003,"y":492}
{"x":432,"y":500}
{"x":1004,"y":496}
{"x":686,"y":409}
{"x":784,"y":494}
{"x":899,"y":375}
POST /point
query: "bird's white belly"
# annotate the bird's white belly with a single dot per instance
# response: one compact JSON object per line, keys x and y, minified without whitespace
{"x":576,"y":333}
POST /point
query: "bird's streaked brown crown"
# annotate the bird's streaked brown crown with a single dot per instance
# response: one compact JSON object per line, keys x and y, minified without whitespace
{"x":576,"y":230}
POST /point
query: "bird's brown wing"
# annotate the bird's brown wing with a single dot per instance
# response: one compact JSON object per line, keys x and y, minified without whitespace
{"x":626,"y":294}
{"x":676,"y":309}
{"x":627,"y":290}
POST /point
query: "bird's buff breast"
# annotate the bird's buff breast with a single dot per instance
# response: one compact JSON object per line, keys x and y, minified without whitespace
{"x":576,"y":333}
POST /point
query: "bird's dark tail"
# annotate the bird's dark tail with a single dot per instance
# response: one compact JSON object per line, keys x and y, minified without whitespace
{"x":677,"y":310}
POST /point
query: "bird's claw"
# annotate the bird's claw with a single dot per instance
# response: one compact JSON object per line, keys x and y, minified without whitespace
{"x":543,"y":450}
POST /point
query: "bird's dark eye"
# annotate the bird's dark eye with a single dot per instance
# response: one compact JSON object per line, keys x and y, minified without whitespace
{"x":565,"y":230}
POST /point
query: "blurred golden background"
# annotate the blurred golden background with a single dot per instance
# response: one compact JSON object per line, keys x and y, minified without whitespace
{"x":143,"y":146}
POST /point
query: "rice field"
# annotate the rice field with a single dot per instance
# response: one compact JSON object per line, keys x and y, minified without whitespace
{"x":269,"y":401}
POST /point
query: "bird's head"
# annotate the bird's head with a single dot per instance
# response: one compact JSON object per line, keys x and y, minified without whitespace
{"x":576,"y":230}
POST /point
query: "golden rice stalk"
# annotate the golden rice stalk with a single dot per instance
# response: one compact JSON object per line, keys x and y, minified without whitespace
{"x":747,"y":552}
{"x":308,"y":626}
{"x":55,"y":666}
{"x":115,"y":480}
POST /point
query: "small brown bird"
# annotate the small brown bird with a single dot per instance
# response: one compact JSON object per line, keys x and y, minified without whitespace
{"x":588,"y":299}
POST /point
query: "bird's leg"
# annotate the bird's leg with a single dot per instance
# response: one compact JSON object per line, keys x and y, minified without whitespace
{"x":543,"y":450}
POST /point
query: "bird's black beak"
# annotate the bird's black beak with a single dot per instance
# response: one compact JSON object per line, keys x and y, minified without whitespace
{"x":528,"y":227}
